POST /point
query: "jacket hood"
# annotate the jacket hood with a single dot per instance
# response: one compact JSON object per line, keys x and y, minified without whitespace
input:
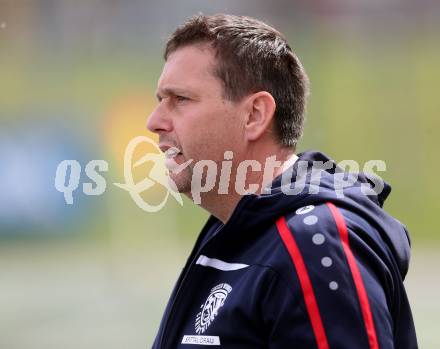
{"x":301,"y":185}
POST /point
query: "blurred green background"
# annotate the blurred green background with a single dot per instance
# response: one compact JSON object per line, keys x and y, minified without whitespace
{"x":77,"y":81}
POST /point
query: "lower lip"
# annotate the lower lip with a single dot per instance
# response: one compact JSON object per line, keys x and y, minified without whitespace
{"x":172,"y":163}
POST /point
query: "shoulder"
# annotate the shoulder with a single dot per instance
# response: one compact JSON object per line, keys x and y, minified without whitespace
{"x":319,"y":274}
{"x":309,"y":220}
{"x":323,"y":240}
{"x":308,"y":239}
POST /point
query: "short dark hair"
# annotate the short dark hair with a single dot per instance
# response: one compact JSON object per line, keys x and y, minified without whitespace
{"x":252,"y":56}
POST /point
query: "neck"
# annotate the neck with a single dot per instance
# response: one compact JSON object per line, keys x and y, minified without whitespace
{"x":223,"y":205}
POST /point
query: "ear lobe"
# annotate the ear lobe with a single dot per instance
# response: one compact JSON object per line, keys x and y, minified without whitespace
{"x":260,"y":115}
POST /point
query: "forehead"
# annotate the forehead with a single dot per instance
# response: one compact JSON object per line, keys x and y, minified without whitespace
{"x":189,"y":67}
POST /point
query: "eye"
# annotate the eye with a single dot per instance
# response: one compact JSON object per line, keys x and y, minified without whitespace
{"x":181,"y":98}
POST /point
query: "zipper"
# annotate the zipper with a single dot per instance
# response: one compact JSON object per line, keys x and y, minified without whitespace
{"x":163,"y":341}
{"x":179,"y":289}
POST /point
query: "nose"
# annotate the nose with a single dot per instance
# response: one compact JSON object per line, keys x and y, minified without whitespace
{"x":158,"y":122}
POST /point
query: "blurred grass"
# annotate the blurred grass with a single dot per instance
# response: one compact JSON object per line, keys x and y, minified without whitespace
{"x":112,"y":294}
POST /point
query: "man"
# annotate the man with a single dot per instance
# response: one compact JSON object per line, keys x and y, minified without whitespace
{"x":288,"y":259}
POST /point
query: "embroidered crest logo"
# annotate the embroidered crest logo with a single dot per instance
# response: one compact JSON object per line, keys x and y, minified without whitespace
{"x":210,"y":308}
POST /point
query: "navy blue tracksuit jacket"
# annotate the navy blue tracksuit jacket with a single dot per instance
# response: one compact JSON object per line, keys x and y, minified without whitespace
{"x":306,"y":271}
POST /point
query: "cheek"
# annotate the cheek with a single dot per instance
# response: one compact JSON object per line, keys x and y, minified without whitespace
{"x":199,"y":144}
{"x":207,"y":132}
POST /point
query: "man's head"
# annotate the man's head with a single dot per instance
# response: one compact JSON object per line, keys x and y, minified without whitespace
{"x":229,"y":83}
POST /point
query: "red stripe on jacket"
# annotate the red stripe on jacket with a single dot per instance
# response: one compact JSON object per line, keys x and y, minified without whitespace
{"x":306,"y":285}
{"x":357,"y":278}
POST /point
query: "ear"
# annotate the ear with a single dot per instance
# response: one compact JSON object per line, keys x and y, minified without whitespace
{"x":260,"y":109}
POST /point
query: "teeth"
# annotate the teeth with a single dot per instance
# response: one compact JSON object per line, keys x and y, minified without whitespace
{"x":171,"y":152}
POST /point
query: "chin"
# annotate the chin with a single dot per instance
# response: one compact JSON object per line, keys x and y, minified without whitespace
{"x":180,"y":182}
